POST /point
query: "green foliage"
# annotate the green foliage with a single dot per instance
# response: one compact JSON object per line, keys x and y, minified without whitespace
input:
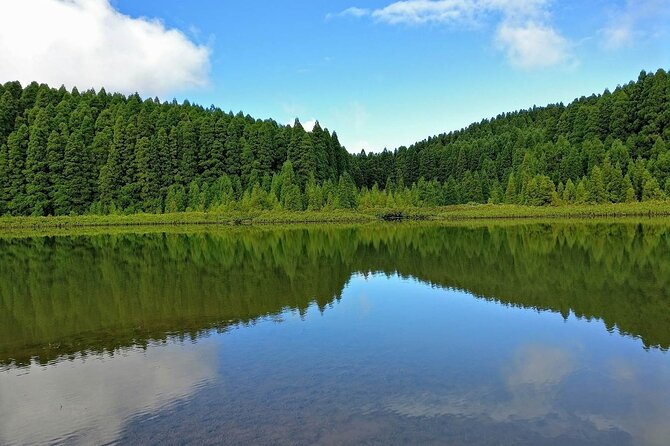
{"x":93,"y":152}
{"x":613,"y":132}
{"x":69,"y":152}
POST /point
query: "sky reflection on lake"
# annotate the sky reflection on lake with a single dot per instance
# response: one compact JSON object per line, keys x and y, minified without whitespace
{"x":388,"y":358}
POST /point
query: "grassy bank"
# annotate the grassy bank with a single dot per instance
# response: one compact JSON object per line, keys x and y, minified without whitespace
{"x":449,"y":213}
{"x":507,"y":211}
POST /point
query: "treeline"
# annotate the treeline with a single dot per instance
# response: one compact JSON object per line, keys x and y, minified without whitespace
{"x":65,"y":152}
{"x":602,"y":148}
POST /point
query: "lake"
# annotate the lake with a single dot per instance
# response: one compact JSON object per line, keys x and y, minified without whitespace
{"x":464,"y":334}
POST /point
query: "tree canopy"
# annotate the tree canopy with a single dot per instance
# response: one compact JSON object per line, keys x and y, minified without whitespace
{"x":67,"y":152}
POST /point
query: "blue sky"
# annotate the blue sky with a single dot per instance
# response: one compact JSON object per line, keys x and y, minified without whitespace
{"x":380,"y":73}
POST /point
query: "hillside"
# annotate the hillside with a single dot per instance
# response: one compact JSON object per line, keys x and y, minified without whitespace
{"x":65,"y":152}
{"x":608,"y":147}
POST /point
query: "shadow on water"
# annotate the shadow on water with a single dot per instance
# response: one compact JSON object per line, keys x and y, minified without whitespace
{"x":71,"y":295}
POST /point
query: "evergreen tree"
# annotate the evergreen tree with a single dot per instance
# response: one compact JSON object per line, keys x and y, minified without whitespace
{"x":451,"y":195}
{"x":175,"y":199}
{"x":77,"y":163}
{"x":17,"y":143}
{"x":37,"y":168}
{"x":597,"y":192}
{"x":582,"y":192}
{"x":147,"y":166}
{"x":569,"y":192}
{"x":346,"y":192}
{"x":650,"y":188}
{"x":314,"y":194}
{"x":510,"y":192}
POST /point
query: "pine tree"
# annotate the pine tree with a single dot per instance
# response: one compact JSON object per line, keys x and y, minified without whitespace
{"x":148,"y":175}
{"x":597,"y":192}
{"x":346,"y":192}
{"x":77,"y":163}
{"x":650,"y":188}
{"x":17,"y":148}
{"x":630,"y":196}
{"x":569,"y":192}
{"x":175,"y":199}
{"x":37,"y":168}
{"x":193,"y":198}
{"x":58,"y":194}
{"x":314,"y":195}
{"x":581,"y":192}
{"x":510,"y":192}
{"x":451,"y":195}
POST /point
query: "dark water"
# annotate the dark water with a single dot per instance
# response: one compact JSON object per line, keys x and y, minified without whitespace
{"x":553,"y":334}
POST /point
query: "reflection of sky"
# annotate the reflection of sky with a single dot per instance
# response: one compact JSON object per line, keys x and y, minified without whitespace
{"x":537,"y":380}
{"x":562,"y":379}
{"x":88,"y":400}
{"x":392,"y":354}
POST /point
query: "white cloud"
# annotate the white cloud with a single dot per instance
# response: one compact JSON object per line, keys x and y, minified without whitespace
{"x":532,"y":45}
{"x":350,"y":12}
{"x":636,"y":20}
{"x":87,"y":43}
{"x":455,"y":11}
{"x":523,"y":29}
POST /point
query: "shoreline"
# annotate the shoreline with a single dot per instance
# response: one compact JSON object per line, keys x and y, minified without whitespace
{"x":455,"y":214}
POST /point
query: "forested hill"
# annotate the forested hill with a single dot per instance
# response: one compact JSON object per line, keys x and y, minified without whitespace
{"x":65,"y":152}
{"x":600,"y":147}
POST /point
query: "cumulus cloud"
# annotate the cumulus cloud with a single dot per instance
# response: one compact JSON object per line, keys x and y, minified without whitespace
{"x":524,"y":31}
{"x":532,"y":45}
{"x":89,"y":44}
{"x":638,"y":19}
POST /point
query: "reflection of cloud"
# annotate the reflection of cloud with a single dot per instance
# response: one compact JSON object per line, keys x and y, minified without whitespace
{"x":539,"y":365}
{"x":535,"y":392}
{"x":531,"y":380}
{"x":88,"y":400}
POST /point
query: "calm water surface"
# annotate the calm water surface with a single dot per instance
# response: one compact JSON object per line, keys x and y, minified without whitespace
{"x":553,"y":334}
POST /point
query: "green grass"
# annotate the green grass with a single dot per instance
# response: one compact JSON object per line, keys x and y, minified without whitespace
{"x":448,"y":213}
{"x":506,"y":211}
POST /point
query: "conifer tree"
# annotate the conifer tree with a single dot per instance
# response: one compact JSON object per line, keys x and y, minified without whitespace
{"x":17,"y":143}
{"x":510,"y":192}
{"x":569,"y":192}
{"x":37,"y":168}
{"x":76,"y":175}
{"x":597,"y":192}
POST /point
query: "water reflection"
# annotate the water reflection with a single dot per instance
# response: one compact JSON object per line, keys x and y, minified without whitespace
{"x":88,"y":400}
{"x":386,"y":334}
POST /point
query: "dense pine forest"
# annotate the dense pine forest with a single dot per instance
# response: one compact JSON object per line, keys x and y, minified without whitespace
{"x":67,"y":152}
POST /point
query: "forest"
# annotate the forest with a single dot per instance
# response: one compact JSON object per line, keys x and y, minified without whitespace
{"x":72,"y":153}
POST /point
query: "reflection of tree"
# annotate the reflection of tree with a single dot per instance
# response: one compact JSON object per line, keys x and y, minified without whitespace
{"x":60,"y":295}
